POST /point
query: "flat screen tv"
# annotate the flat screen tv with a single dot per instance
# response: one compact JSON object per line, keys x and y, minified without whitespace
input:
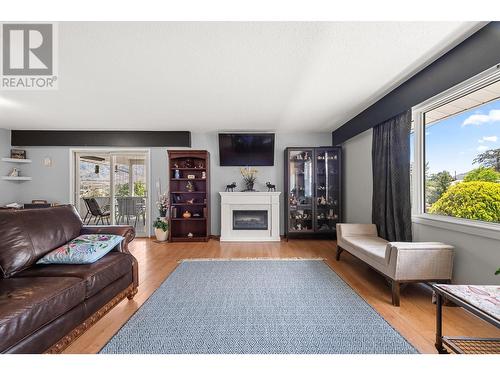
{"x":250,"y":149}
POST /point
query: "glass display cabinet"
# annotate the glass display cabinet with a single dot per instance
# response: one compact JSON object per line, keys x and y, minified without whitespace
{"x":312,"y":191}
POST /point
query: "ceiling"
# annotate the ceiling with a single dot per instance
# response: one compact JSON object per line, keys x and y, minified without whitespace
{"x":210,"y":76}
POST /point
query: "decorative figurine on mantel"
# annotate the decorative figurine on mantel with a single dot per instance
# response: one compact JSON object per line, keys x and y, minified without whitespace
{"x":190,"y":187}
{"x":231,"y":187}
{"x":270,"y":187}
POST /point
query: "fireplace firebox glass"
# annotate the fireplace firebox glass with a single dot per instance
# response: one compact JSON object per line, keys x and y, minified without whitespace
{"x":250,"y":220}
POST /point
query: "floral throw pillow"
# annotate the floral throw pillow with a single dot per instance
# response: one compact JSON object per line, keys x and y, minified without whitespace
{"x":84,"y":249}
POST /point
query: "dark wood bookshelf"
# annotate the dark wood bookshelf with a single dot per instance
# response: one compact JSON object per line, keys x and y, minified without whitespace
{"x":187,"y":179}
{"x":197,"y":163}
{"x":189,"y":169}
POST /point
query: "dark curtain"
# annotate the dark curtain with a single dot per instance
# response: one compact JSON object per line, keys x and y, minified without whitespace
{"x":391,"y":208}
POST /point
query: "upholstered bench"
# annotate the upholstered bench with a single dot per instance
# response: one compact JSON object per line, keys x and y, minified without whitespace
{"x":401,"y":262}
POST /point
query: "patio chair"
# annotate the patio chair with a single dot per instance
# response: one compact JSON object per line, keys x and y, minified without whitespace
{"x":130,"y":206}
{"x":96,"y":211}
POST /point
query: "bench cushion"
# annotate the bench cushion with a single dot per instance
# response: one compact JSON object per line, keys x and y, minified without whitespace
{"x":370,"y":246}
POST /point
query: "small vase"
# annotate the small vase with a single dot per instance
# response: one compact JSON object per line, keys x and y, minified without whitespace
{"x":161,"y":235}
{"x":249,"y":186}
{"x":163,"y":213}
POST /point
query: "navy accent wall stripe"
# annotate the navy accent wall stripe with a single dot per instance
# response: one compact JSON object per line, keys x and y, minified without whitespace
{"x":474,"y":55}
{"x":101,"y":138}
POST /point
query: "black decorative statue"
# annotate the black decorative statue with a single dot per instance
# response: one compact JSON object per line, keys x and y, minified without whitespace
{"x":270,"y":187}
{"x":231,"y":187}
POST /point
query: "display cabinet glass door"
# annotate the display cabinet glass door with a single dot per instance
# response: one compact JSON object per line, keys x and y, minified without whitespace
{"x":327,"y":186}
{"x":301,"y":191}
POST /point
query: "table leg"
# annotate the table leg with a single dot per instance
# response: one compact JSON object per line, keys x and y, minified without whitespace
{"x":439,"y":324}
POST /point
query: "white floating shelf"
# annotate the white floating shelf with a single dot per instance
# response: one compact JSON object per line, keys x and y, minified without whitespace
{"x":10,"y":178}
{"x":11,"y":160}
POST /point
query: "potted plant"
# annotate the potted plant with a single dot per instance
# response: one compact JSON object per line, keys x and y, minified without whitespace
{"x":161,"y":229}
{"x":163,"y":204}
{"x":249,"y":177}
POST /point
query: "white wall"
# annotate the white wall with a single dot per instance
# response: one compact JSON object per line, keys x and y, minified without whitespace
{"x":222,"y":176}
{"x":476,"y":258}
{"x":53,"y":183}
{"x":357,"y":178}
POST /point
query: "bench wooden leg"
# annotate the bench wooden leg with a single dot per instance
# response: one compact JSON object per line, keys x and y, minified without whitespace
{"x":339,"y":251}
{"x":396,"y":286}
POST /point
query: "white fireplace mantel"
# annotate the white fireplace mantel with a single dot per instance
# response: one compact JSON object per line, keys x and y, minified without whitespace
{"x":231,"y":201}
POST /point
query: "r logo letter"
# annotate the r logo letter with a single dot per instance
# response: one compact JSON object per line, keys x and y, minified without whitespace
{"x":27,"y":49}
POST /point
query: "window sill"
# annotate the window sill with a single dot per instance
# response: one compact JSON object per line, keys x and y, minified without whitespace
{"x":473,"y":227}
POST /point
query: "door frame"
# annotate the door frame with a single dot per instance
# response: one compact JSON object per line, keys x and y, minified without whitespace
{"x":72,"y":175}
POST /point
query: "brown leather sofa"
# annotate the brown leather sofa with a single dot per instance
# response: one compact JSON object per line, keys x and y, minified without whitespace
{"x":43,"y":308}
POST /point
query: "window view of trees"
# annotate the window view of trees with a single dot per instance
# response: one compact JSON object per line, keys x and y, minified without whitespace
{"x":462,"y":171}
{"x":122,"y":190}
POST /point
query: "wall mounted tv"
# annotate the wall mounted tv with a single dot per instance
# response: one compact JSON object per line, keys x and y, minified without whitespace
{"x":249,"y":149}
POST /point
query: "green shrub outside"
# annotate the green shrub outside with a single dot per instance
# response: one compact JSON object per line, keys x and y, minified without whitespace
{"x":476,"y":200}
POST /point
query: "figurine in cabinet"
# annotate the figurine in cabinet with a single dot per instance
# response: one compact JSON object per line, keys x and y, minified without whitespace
{"x":322,"y":201}
{"x":190,"y":187}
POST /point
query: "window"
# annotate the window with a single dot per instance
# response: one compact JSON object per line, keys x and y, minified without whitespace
{"x":456,"y":151}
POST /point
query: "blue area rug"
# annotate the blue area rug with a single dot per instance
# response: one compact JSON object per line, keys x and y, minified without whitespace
{"x":256,"y":307}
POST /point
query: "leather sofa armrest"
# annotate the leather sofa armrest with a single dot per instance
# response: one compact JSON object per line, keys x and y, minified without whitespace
{"x":126,"y":231}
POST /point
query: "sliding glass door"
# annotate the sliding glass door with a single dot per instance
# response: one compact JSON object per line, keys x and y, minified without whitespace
{"x":112,"y":188}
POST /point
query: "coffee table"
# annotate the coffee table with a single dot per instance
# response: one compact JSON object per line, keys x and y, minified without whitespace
{"x":481,"y":300}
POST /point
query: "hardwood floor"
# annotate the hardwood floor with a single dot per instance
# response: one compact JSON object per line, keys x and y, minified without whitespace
{"x":415,"y":319}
